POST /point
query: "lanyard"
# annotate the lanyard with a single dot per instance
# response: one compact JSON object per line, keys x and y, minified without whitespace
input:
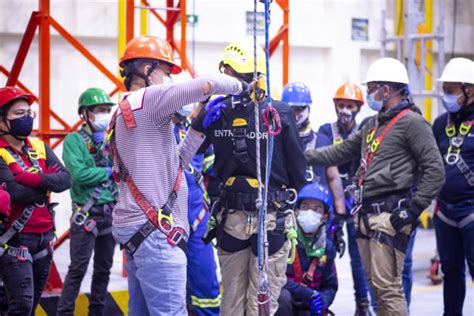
{"x":374,"y":144}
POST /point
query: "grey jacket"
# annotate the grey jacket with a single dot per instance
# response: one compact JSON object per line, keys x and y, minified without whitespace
{"x":407,"y":156}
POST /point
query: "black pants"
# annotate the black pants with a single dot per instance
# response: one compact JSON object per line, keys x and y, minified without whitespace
{"x":24,"y":281}
{"x":287,"y":306}
{"x":81,"y":247}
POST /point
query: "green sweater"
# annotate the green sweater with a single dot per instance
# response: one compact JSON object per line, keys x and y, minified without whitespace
{"x":85,"y":175}
{"x":408,"y":156}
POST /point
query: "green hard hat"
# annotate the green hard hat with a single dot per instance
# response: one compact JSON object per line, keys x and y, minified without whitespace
{"x":92,"y":97}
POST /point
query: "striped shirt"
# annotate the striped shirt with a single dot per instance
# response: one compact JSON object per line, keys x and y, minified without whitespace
{"x":149,"y":151}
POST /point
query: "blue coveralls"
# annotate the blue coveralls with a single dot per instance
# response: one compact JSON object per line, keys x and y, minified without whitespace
{"x":454,"y":222}
{"x":201,"y":272}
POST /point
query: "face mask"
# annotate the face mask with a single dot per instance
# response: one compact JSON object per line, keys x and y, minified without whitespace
{"x":186,"y":110}
{"x":309,"y":221}
{"x":167,"y":80}
{"x":21,"y":126}
{"x":346,"y":117}
{"x":374,"y":104}
{"x":302,"y":118}
{"x":450,"y":104}
{"x":101,"y":121}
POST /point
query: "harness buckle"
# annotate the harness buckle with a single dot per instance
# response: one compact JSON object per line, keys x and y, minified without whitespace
{"x":399,"y":206}
{"x":90,"y":225}
{"x":79,"y":218}
{"x":165,"y":222}
{"x":452,"y":158}
{"x":457,"y":141}
{"x":22,"y":254}
{"x":376,"y":235}
{"x":175,"y":236}
{"x":376,"y":207}
{"x":355,"y":209}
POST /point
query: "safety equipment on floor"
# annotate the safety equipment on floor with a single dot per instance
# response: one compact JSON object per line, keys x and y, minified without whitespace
{"x":387,"y":70}
{"x":456,"y":140}
{"x":162,"y":218}
{"x":315,"y":191}
{"x":450,"y":103}
{"x":458,"y":70}
{"x":373,"y":143}
{"x":240,"y":56}
{"x":309,"y":220}
{"x":9,"y":94}
{"x":296,"y":94}
{"x":150,"y":47}
{"x":349,"y":91}
{"x":92,"y":97}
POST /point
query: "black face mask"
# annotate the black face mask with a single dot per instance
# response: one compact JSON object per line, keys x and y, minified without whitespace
{"x":22,"y":126}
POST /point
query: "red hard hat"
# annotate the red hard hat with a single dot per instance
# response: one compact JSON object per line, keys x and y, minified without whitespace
{"x":150,"y":47}
{"x":9,"y":94}
{"x":349,"y":91}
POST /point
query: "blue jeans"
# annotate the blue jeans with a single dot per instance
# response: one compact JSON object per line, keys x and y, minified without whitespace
{"x":407,"y":273}
{"x":156,"y":275}
{"x":361,"y":286}
{"x":455,"y":246}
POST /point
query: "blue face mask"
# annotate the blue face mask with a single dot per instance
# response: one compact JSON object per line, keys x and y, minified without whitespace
{"x":22,"y":126}
{"x":450,"y":104}
{"x":374,"y":104}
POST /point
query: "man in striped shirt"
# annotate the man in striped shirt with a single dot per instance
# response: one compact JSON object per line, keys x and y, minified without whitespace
{"x":147,"y":154}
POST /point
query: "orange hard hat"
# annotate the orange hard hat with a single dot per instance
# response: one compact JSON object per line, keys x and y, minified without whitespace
{"x":150,"y":47}
{"x":349,"y":91}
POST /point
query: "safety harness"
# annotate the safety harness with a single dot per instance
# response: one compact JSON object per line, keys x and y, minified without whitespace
{"x":372,"y":145}
{"x":338,"y":139}
{"x":454,"y":157}
{"x":161,"y":219}
{"x":22,"y":253}
{"x":385,"y":203}
{"x":81,"y":214}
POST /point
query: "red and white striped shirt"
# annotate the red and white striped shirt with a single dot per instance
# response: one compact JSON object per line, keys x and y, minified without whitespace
{"x":149,"y":151}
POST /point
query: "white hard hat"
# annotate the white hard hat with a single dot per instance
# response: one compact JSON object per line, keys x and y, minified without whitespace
{"x":387,"y":70}
{"x":458,"y":70}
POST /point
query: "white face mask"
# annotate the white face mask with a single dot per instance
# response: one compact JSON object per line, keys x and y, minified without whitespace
{"x":309,"y":221}
{"x":186,"y":110}
{"x":101,"y":121}
{"x":302,"y":117}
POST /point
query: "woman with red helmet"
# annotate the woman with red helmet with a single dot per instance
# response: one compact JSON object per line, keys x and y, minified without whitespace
{"x":30,"y":171}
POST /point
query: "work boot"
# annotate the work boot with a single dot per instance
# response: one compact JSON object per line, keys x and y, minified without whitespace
{"x":363,"y":308}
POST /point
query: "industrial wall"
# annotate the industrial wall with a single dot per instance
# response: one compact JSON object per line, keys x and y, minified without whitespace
{"x":323,"y":54}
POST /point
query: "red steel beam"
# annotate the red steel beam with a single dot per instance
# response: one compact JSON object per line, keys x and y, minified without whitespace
{"x":153,"y":11}
{"x":24,"y":47}
{"x":130,"y":20}
{"x":74,"y":42}
{"x":44,"y":72}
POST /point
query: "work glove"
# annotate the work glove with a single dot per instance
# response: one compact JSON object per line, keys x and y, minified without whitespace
{"x":31,"y":180}
{"x":98,"y":137}
{"x":316,"y":305}
{"x":403,"y":217}
{"x":109,"y":171}
{"x":52,"y":169}
{"x":4,"y":202}
{"x":214,"y":113}
{"x":338,"y":234}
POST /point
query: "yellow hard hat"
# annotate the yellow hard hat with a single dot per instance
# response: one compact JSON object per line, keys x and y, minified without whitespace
{"x":240,"y":56}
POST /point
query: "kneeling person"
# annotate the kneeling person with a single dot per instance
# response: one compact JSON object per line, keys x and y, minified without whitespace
{"x":312,"y":279}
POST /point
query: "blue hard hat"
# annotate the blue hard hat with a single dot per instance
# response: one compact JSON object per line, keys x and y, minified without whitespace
{"x":316,"y":191}
{"x":296,"y":94}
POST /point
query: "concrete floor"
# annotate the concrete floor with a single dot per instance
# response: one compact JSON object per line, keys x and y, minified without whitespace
{"x":427,"y":299}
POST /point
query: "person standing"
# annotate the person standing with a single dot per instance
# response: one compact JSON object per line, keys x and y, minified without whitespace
{"x":398,"y":150}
